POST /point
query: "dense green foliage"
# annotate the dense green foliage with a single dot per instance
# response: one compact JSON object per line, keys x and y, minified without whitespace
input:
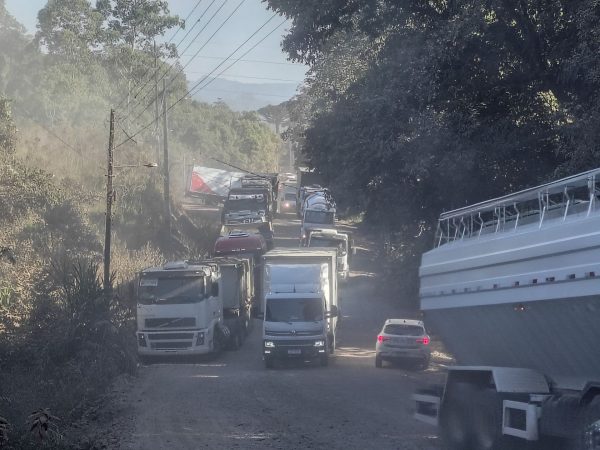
{"x":416,"y":107}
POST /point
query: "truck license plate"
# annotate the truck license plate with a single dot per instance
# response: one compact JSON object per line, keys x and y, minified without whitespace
{"x":294,"y":351}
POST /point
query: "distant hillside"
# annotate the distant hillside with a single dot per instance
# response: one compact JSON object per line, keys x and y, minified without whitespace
{"x":245,"y":96}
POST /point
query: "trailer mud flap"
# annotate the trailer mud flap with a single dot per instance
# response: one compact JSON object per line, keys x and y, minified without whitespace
{"x":520,"y":419}
{"x":427,"y":408}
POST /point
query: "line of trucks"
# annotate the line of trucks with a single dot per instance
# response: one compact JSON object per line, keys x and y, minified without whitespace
{"x":204,"y":306}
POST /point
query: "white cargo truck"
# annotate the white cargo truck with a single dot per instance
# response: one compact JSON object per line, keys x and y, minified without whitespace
{"x":301,"y":304}
{"x":179,"y":310}
{"x":512,"y":287}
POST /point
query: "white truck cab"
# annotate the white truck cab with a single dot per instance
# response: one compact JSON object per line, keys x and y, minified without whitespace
{"x":300,"y":305}
{"x":179,"y":311}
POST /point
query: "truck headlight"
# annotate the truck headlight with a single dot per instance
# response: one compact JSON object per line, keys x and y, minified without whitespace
{"x":269,"y":344}
{"x":200,"y":338}
{"x":319,"y":343}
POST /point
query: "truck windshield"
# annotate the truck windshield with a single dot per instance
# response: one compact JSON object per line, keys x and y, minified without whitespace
{"x":323,"y":217}
{"x":294,"y":310}
{"x":404,"y":330}
{"x":245,"y":204}
{"x":171,"y":291}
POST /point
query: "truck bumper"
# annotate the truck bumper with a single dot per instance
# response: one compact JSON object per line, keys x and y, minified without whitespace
{"x":195,"y":342}
{"x":289,"y":350}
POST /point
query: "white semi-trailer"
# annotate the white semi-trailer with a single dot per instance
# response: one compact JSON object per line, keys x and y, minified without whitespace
{"x":513,"y":289}
{"x":179,"y":310}
{"x":300,"y":301}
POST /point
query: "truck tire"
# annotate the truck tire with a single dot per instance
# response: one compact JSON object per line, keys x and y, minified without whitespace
{"x":588,"y":435}
{"x":455,"y":423}
{"x":486,"y":407}
{"x":324,"y":360}
{"x":332,"y":344}
{"x":236,"y":340}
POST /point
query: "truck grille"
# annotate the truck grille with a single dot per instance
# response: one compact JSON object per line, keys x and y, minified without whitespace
{"x":171,"y":322}
{"x":170,"y":345}
{"x":295,"y":343}
{"x":168,"y":336}
{"x":288,"y":333}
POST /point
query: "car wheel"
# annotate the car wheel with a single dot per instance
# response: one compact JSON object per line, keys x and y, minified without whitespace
{"x":324,"y":360}
{"x":378,"y":362}
{"x":269,"y":363}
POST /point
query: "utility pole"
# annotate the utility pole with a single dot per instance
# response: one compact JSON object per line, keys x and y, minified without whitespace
{"x":109,"y":201}
{"x":156,"y":100}
{"x":166,"y":160}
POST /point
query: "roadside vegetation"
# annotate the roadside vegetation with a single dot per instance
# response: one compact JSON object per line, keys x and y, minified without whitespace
{"x":413,"y":108}
{"x":63,"y":339}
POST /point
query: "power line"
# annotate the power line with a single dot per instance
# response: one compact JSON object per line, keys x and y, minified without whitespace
{"x":253,"y":61}
{"x":179,"y":28}
{"x":48,"y":130}
{"x":189,"y":92}
{"x":238,"y":59}
{"x":253,"y":78}
{"x":200,"y":49}
{"x":157,"y":69}
{"x":247,"y":92}
{"x":185,"y":21}
{"x":140,"y":101}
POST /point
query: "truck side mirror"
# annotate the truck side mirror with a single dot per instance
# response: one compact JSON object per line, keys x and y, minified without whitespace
{"x":214,"y":290}
{"x":354,"y":250}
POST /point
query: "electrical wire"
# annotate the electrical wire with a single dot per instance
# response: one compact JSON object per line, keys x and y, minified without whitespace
{"x":199,"y":50}
{"x":158,"y":68}
{"x":252,"y":78}
{"x":194,"y":88}
{"x":48,"y":130}
{"x":181,"y":25}
{"x":238,"y":59}
{"x":260,"y":61}
{"x":140,"y":101}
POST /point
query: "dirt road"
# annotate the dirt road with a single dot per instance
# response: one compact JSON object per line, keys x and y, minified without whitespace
{"x":234,"y":402}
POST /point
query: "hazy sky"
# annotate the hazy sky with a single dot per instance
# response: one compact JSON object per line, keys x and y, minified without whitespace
{"x":265,"y":64}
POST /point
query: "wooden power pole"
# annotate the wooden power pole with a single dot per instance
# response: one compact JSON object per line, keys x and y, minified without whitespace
{"x":109,"y":201}
{"x":156,"y":106}
{"x":167,"y":179}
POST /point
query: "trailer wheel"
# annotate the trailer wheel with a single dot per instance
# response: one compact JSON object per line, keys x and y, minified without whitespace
{"x":487,"y":421}
{"x":454,"y":419}
{"x":588,"y":437}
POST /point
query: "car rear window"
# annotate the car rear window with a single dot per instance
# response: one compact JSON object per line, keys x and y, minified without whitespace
{"x":404,"y":330}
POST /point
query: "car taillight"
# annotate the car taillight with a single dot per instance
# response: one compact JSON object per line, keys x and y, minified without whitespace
{"x":423,"y":340}
{"x":382,"y":338}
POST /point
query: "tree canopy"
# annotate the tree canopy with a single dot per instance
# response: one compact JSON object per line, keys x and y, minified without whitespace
{"x":412,"y":108}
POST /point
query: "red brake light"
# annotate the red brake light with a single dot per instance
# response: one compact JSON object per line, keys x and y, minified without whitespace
{"x":381,"y":338}
{"x":423,"y":340}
